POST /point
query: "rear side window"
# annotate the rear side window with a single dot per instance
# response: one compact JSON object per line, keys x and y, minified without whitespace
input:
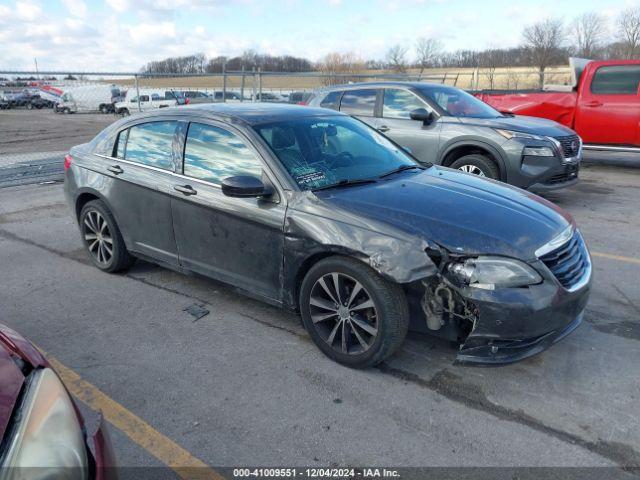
{"x":616,"y":80}
{"x":358,"y":102}
{"x":151,"y":144}
{"x":331,"y":100}
{"x":213,"y":154}
{"x":155,"y":96}
{"x":400,"y":103}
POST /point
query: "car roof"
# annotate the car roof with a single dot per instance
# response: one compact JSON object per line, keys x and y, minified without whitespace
{"x":351,"y":86}
{"x":249,"y":113}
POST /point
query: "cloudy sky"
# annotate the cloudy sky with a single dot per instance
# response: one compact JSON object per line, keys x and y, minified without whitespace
{"x":123,"y":35}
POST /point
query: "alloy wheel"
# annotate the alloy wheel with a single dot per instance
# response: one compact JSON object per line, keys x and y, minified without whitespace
{"x":343,"y":313}
{"x":97,"y":235}
{"x":472,"y":169}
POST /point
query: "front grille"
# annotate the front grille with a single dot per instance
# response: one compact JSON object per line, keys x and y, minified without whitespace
{"x":570,"y":145}
{"x":568,"y":173}
{"x":569,"y":262}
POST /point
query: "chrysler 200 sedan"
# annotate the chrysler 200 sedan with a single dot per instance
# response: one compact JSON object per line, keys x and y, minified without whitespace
{"x":317,"y":212}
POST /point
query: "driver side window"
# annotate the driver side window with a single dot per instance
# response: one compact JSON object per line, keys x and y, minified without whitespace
{"x":399,"y":103}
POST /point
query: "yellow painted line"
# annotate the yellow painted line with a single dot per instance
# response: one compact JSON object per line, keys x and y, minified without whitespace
{"x":619,"y":258}
{"x":163,"y":448}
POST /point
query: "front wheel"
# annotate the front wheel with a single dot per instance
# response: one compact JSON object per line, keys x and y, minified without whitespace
{"x":355,"y":316}
{"x":102,"y":239}
{"x":477,"y":164}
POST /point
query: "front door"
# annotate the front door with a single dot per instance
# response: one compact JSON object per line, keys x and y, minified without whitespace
{"x":609,"y":109}
{"x":420,"y":140}
{"x":239,"y":241}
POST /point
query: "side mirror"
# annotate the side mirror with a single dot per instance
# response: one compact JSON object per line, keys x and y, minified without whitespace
{"x":244,"y":186}
{"x":422,"y":115}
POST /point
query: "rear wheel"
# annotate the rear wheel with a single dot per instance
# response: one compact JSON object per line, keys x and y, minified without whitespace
{"x":477,"y":164}
{"x":355,"y":316}
{"x":104,"y":109}
{"x":102,"y":238}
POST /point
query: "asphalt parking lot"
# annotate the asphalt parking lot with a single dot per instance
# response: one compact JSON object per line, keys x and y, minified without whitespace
{"x":244,"y":385}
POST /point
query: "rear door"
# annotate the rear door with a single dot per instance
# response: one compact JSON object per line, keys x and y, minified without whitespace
{"x":142,"y":167}
{"x":361,"y":104}
{"x":609,"y":107}
{"x":421,"y":140}
{"x":237,"y":240}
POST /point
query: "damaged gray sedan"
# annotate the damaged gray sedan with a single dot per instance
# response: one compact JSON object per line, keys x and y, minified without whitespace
{"x":316,"y":212}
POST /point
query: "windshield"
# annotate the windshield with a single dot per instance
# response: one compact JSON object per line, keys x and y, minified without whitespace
{"x":458,"y":103}
{"x":319,"y":152}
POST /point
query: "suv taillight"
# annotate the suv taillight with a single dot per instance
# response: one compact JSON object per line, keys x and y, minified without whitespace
{"x":67,"y":162}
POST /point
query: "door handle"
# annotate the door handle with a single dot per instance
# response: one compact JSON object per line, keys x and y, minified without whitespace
{"x":594,"y":103}
{"x":117,"y":169}
{"x":185,"y":189}
{"x":383,"y":128}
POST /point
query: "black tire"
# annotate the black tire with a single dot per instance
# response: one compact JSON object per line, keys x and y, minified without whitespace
{"x":389,"y":305}
{"x":104,"y":109}
{"x":481,"y":162}
{"x":124,"y":112}
{"x":66,"y":111}
{"x":29,"y":106}
{"x":120,"y":259}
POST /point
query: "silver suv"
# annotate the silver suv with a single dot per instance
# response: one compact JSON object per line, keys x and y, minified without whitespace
{"x":447,"y":126}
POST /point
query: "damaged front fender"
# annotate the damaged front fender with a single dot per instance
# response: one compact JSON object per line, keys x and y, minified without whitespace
{"x":312,"y":230}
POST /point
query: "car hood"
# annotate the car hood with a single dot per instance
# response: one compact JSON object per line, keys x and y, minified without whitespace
{"x":461,"y":212}
{"x":12,"y":347}
{"x":521,"y":123}
{"x":11,"y":380}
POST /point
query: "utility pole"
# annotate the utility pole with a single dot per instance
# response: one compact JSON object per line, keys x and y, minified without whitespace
{"x":35,"y":60}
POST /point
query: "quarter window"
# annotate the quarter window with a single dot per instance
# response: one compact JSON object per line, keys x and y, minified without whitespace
{"x":121,"y":144}
{"x":616,"y":80}
{"x":331,"y":100}
{"x":400,"y":103}
{"x":151,"y":144}
{"x":358,"y":102}
{"x":213,"y":154}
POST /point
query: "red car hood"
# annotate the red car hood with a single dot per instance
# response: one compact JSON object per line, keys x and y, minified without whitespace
{"x":13,"y":349}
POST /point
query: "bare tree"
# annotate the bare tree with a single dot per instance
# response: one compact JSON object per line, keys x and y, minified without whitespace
{"x":396,"y":57}
{"x":543,"y":39}
{"x":629,"y":28}
{"x":589,"y":30}
{"x":337,"y":65}
{"x":489,"y":61}
{"x":428,"y":50}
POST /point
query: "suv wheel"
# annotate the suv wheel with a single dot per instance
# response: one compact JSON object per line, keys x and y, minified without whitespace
{"x":102,"y":238}
{"x":355,"y":316}
{"x":477,"y":164}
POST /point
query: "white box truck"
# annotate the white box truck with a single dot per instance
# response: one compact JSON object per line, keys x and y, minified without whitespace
{"x":88,"y":98}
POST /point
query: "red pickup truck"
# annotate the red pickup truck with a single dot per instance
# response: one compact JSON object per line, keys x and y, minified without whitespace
{"x":603,"y":106}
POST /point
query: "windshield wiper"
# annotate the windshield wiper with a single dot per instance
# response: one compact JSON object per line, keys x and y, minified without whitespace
{"x":345,"y":183}
{"x":401,"y":168}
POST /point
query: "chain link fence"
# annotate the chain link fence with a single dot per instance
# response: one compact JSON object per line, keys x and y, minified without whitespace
{"x":43,"y":114}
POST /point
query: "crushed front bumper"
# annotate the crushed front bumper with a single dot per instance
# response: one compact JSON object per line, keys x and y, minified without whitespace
{"x":516,"y":323}
{"x":504,"y":353}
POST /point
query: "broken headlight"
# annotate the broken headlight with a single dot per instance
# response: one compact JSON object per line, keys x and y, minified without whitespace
{"x":490,"y":273}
